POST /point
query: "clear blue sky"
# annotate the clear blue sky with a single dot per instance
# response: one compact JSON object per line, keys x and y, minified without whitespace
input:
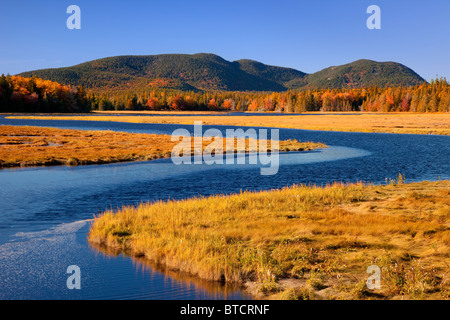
{"x":305,"y":35}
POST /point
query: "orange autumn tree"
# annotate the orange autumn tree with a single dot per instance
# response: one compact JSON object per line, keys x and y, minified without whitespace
{"x":19,"y":94}
{"x":153,"y":104}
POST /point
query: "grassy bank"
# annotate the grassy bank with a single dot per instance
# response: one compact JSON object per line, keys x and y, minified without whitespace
{"x":38,"y":146}
{"x":423,"y":123}
{"x":302,"y":242}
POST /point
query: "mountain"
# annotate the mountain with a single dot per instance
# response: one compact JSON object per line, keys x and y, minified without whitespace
{"x":205,"y":71}
{"x":272,"y":73}
{"x":180,"y":71}
{"x":364,"y":73}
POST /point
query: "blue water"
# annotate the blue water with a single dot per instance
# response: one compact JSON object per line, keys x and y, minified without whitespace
{"x":45,"y":212}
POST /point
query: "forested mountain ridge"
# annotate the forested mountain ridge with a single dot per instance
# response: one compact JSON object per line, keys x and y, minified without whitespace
{"x":205,"y":72}
{"x":364,"y":73}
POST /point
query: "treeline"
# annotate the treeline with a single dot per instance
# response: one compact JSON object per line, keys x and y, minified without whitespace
{"x":19,"y":94}
{"x":427,"y":97}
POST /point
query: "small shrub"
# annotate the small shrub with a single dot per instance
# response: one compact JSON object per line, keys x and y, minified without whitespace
{"x":360,"y":290}
{"x":289,"y":294}
{"x":268,"y":287}
{"x":304,"y":293}
{"x":298,"y":271}
{"x":316,"y":281}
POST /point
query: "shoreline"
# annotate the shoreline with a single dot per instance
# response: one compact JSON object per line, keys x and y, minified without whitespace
{"x":321,"y":268}
{"x":396,"y":123}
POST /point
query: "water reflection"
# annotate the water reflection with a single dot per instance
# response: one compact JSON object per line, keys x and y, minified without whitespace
{"x":141,"y":264}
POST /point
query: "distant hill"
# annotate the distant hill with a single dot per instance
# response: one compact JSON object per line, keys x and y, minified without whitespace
{"x":205,"y":71}
{"x":364,"y":73}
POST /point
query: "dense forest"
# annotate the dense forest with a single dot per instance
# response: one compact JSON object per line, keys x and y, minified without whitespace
{"x":19,"y":94}
{"x":427,"y":97}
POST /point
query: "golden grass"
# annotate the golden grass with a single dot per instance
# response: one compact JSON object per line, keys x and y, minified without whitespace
{"x":302,"y":241}
{"x":37,"y":146}
{"x":412,"y":123}
{"x":160,"y":112}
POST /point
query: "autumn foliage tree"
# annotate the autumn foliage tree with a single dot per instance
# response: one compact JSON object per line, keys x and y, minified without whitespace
{"x":19,"y":94}
{"x":428,"y":97}
{"x":153,"y":104}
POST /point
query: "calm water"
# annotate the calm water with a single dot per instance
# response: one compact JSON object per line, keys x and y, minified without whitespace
{"x":45,"y":212}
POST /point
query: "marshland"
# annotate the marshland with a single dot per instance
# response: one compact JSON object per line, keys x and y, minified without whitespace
{"x":406,"y":123}
{"x":34,"y":146}
{"x":57,"y":203}
{"x":107,"y":192}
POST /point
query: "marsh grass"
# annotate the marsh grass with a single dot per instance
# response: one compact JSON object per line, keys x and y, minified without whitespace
{"x":315,"y":234}
{"x":419,"y":123}
{"x":301,"y":293}
{"x":38,"y":146}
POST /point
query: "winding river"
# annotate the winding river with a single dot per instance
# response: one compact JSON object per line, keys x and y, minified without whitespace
{"x":45,"y":212}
